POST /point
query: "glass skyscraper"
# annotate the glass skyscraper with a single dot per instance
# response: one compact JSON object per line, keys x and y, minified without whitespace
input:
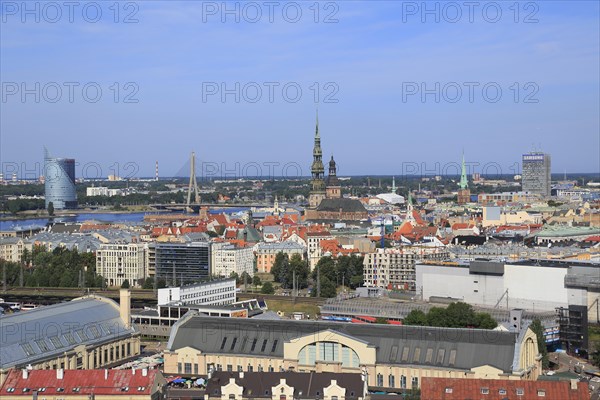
{"x":59,"y":176}
{"x":179,"y":263}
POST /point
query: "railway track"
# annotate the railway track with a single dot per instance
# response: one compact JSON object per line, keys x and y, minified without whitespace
{"x":138,"y":296}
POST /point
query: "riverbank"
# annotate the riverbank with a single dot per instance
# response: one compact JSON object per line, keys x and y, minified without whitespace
{"x":37,"y":214}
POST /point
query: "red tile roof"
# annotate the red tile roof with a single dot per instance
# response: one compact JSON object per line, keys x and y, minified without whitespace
{"x":88,"y":381}
{"x":298,"y":230}
{"x":593,"y":239}
{"x":461,"y":389}
{"x":89,"y":227}
{"x":419,"y":232}
{"x":221,"y":219}
{"x":230,"y":234}
{"x":462,"y":225}
{"x":417,"y":217}
{"x":512,"y":228}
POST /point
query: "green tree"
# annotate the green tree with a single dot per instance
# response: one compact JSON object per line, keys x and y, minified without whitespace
{"x":50,"y":208}
{"x":13,"y":207}
{"x":537,"y":328}
{"x":26,"y":256}
{"x":279,"y":267}
{"x":460,"y":315}
{"x":328,"y":288}
{"x":381,"y":320}
{"x":235,"y":276}
{"x":256,"y":280}
{"x":267,"y":288}
{"x":437,"y":317}
{"x":595,"y":358}
{"x":125,"y":284}
{"x":326,"y":266}
{"x":245,"y":278}
{"x":485,"y":321}
{"x":148,"y":283}
{"x":161,"y":283}
{"x":300,"y":267}
{"x":415,"y":317}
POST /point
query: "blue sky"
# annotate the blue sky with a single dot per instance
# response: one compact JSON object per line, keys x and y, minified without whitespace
{"x":369,"y":61}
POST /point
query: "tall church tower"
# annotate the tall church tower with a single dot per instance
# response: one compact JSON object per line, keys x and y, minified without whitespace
{"x":317,"y":169}
{"x":334,"y":190}
{"x":464,"y":194}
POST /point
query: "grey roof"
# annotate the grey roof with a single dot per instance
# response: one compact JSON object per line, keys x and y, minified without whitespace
{"x":9,"y":239}
{"x":280,"y":246}
{"x":115,"y":235}
{"x":346,"y":205}
{"x":81,"y":242}
{"x":437,"y":347}
{"x":45,"y":332}
{"x":65,"y":228}
{"x":195,"y":237}
{"x":249,"y":234}
{"x":306,"y":385}
{"x":274,"y":229}
{"x":268,"y":315}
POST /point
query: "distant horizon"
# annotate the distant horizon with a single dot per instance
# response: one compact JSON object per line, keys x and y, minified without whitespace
{"x":399,"y":178}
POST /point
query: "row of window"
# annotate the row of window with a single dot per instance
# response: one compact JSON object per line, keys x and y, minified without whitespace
{"x":391,"y":381}
{"x":189,"y":368}
{"x":254,"y":346}
{"x":504,"y":392}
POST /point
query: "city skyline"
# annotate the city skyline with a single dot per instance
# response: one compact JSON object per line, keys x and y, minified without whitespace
{"x":372,"y":77}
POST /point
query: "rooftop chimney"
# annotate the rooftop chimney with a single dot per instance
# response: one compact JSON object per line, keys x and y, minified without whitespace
{"x":106,"y":374}
{"x":133,"y":371}
{"x":125,"y":307}
{"x":242,"y":375}
{"x":25,"y":373}
{"x":60,"y":373}
{"x":144,"y":371}
{"x":573,"y":384}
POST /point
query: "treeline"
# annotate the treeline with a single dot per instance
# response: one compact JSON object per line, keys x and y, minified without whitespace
{"x":284,"y":268}
{"x":344,"y":270}
{"x":17,"y":205}
{"x":58,"y":268}
{"x":456,"y":315}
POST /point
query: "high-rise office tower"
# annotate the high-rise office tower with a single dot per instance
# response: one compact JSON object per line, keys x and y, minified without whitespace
{"x":536,"y":173}
{"x":59,"y":184}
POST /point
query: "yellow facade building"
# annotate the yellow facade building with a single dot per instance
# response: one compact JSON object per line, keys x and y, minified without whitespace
{"x":391,"y":356}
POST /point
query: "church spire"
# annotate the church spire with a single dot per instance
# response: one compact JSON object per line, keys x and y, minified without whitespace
{"x":317,"y":129}
{"x":317,"y":170}
{"x":394,"y":184}
{"x":463,"y":174}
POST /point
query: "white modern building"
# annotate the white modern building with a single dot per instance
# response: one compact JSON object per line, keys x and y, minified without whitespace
{"x":227,"y":258}
{"x":395,"y":268}
{"x":532,"y":285}
{"x":102,"y":191}
{"x":117,"y":262}
{"x":219,"y":292}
